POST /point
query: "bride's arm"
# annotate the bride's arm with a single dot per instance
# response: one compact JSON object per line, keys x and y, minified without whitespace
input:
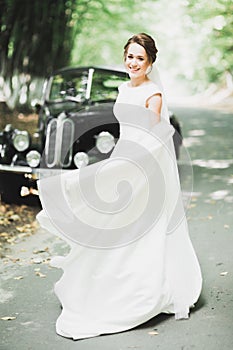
{"x":154,"y":103}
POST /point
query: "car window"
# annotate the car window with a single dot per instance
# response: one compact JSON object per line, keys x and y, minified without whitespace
{"x":71,"y":83}
{"x":105,"y":86}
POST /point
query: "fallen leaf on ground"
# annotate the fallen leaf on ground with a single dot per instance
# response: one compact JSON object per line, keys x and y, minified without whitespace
{"x":12,"y":258}
{"x":41,"y":251}
{"x":2,"y":209}
{"x":14,"y":217}
{"x":18,"y":278}
{"x":40,"y":274}
{"x":25,"y":228}
{"x":11,"y":240}
{"x":37,"y":260}
{"x":47,"y":261}
{"x":9,"y":213}
{"x":224,"y":273}
{"x":4,"y":234}
{"x":4,"y":222}
{"x":153,"y":333}
{"x":8,"y":318}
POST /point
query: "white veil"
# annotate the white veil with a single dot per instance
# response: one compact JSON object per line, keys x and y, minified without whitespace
{"x":154,"y":76}
{"x":177,"y":221}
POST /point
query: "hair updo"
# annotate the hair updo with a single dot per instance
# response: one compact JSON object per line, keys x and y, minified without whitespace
{"x":145,"y":41}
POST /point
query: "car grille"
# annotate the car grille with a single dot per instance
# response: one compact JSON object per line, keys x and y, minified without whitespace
{"x":59,"y":142}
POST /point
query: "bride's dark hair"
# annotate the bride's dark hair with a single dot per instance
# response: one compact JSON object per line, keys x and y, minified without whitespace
{"x":145,"y":41}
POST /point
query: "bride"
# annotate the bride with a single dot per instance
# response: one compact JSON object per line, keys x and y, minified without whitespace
{"x":130,"y":256}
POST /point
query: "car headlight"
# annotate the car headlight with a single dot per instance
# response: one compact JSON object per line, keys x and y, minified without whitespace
{"x":105,"y":142}
{"x":33,"y":158}
{"x":81,"y":159}
{"x":20,"y":140}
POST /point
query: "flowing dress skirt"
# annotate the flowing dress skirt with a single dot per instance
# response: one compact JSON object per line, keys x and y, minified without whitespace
{"x":130,"y":256}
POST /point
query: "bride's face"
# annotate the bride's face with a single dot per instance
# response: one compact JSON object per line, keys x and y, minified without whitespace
{"x":136,"y":61}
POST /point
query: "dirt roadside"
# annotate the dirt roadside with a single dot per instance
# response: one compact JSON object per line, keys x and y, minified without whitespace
{"x":17,"y":222}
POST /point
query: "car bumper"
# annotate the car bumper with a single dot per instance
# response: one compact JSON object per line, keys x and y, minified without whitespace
{"x":16,"y":169}
{"x":32,"y":173}
{"x":24,"y":178}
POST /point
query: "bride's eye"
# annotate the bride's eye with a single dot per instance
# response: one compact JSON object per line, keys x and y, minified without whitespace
{"x":130,"y":56}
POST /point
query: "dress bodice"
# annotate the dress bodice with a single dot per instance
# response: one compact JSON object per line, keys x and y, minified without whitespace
{"x":137,"y":95}
{"x":130,"y":109}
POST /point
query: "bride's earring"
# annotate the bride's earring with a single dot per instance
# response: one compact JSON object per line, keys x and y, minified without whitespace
{"x":149,"y":69}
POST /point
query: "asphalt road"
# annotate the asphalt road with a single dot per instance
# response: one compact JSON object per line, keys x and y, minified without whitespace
{"x":26,"y":290}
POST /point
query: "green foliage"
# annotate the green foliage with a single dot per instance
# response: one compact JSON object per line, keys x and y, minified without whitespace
{"x":194,"y":38}
{"x":36,"y":36}
{"x":106,"y":27}
{"x":212,"y":23}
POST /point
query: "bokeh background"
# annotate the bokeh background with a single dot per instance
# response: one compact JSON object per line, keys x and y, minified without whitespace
{"x":194,"y":38}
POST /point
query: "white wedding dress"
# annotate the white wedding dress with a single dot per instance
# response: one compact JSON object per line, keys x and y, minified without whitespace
{"x":130,"y":256}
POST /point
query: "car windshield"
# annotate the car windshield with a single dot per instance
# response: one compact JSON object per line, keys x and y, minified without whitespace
{"x":74,"y":84}
{"x":105,"y":86}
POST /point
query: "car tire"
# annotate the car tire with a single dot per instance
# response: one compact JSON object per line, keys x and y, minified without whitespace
{"x":177,"y":137}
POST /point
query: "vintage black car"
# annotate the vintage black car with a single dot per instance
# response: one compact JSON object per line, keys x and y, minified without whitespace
{"x":76,"y":127}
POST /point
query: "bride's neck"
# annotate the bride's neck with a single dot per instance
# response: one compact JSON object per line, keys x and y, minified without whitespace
{"x":138,"y":81}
